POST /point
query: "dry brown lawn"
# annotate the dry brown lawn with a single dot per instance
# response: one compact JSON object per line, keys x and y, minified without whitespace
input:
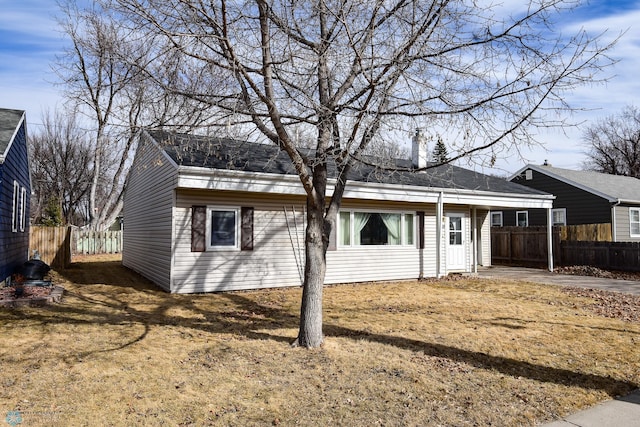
{"x":119,"y":351}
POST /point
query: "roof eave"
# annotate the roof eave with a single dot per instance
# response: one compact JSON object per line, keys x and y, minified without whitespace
{"x":609,"y":198}
{"x":218,"y":179}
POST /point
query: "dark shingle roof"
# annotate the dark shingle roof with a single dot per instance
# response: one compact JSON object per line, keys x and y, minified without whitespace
{"x":9,"y":120}
{"x":221,"y":153}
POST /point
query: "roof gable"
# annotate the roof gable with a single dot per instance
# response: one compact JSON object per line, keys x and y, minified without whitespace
{"x":611,"y":187}
{"x":10,"y":121}
{"x":227,"y":154}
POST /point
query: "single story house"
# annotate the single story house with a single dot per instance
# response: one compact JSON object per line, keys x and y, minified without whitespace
{"x":15,"y":191}
{"x":210,"y":214}
{"x":581,"y":197}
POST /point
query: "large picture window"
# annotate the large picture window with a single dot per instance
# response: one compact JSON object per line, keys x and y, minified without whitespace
{"x":358,"y":228}
{"x":634,"y":222}
{"x":222,"y":228}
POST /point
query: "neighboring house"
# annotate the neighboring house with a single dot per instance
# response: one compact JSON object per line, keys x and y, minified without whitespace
{"x":581,"y":197}
{"x":15,"y":191}
{"x":206,"y":214}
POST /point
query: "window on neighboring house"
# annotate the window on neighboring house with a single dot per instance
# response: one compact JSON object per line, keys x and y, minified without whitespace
{"x":15,"y":215}
{"x":634,"y":222}
{"x":23,"y":208}
{"x":522,"y":218}
{"x":222,"y":228}
{"x":496,"y":219}
{"x":559,"y":216}
{"x":376,"y":228}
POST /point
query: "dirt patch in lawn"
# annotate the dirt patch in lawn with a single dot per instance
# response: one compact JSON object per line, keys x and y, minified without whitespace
{"x":119,"y":351}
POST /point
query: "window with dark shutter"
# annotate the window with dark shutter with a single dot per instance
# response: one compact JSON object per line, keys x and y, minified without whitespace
{"x":246,"y":229}
{"x":198,"y":228}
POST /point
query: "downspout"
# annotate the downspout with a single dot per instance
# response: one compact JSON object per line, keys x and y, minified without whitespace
{"x":614,"y":234}
{"x":474,"y":224}
{"x":439,"y":211}
{"x":550,"y":238}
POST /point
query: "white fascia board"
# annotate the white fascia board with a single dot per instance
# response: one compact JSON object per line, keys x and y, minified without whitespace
{"x":4,"y":155}
{"x":217,"y":179}
{"x":156,"y":144}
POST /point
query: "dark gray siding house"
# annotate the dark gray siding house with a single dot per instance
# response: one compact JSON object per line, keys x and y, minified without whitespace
{"x":15,"y":191}
{"x":581,"y":197}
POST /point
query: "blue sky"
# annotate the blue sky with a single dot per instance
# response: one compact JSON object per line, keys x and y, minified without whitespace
{"x":30,"y":40}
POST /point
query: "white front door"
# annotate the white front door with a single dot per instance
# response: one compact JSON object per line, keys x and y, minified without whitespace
{"x":456,"y":245}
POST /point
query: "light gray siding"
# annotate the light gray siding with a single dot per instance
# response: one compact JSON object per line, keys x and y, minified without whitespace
{"x":271,"y":263}
{"x":484,"y":235}
{"x":278,"y":251}
{"x":622,"y":224}
{"x":148,"y":205}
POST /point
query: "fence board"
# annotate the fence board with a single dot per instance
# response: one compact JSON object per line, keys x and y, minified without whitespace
{"x":97,"y":242}
{"x":528,"y":246}
{"x":52,"y":243}
{"x":622,"y":256}
{"x":520,"y":245}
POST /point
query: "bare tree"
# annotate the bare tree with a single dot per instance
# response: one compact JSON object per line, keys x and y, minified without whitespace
{"x":353,"y":72}
{"x":613,"y":144}
{"x":60,"y":156}
{"x":106,"y":76}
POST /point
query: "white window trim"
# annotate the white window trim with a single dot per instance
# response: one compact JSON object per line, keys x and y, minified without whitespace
{"x":15,"y":214}
{"x":526,"y":213}
{"x":236,"y":210}
{"x":403,"y":233}
{"x":491,"y":214}
{"x":564,"y":215}
{"x":630,"y":229}
{"x":23,"y":208}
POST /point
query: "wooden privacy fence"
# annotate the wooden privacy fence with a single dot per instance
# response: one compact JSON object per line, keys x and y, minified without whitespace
{"x":52,"y":243}
{"x":57,"y":244}
{"x":622,"y":256}
{"x":528,"y":246}
{"x":97,"y":242}
{"x":586,"y":232}
{"x":522,"y":245}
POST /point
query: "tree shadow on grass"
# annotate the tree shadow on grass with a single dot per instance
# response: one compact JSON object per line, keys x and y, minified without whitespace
{"x":507,"y":366}
{"x":241,"y":315}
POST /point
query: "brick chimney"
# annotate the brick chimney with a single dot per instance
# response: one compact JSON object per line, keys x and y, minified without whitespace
{"x":419,"y":155}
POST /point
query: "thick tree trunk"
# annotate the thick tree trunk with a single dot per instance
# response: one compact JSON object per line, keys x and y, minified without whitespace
{"x":310,"y":333}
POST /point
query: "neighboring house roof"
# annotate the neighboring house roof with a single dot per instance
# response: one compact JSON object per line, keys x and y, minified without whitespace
{"x":228,"y":154}
{"x":614,"y":188}
{"x":9,"y":122}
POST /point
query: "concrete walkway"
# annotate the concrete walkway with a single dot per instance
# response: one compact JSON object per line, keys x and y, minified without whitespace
{"x":545,"y":276}
{"x":620,"y":412}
